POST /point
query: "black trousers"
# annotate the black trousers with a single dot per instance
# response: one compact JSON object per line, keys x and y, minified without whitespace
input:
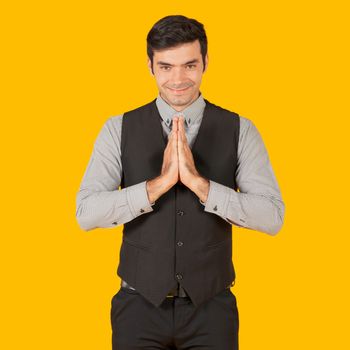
{"x":175,"y":324}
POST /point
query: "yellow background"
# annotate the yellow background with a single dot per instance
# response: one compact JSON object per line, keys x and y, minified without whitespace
{"x":68,"y":66}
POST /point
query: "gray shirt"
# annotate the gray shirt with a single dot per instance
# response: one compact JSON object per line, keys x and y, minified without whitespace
{"x":258,"y":205}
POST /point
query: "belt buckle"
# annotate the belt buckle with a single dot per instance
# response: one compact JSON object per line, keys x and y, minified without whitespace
{"x":175,"y":292}
{"x":172,"y":293}
{"x":178,"y":292}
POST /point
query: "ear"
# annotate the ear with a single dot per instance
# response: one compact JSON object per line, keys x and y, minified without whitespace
{"x":206,"y":62}
{"x":149,"y":65}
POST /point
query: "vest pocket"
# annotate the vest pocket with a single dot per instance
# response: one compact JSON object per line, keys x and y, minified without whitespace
{"x":136,"y":244}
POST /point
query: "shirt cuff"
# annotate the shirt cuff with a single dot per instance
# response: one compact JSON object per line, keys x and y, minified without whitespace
{"x":220,"y":199}
{"x":138,"y":200}
{"x":217,"y":199}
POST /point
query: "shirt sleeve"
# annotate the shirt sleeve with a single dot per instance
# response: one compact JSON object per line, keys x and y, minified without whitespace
{"x":99,"y":201}
{"x":258,"y":205}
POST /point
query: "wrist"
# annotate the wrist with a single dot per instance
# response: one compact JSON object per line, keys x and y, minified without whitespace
{"x":201,"y":187}
{"x":156,"y":187}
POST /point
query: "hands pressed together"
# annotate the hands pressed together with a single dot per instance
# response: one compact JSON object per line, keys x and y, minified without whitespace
{"x":178,"y":165}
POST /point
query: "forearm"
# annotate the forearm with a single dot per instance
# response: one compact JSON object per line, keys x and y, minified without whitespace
{"x":111,"y":208}
{"x":261,"y":212}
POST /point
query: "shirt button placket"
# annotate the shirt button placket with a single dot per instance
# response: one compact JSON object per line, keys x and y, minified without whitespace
{"x":178,"y":275}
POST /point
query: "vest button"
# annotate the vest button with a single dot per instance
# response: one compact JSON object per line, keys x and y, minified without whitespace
{"x":114,"y":223}
{"x":178,"y":276}
{"x":179,"y":243}
{"x":180,"y":212}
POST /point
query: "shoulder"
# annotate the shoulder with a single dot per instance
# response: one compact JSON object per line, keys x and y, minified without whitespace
{"x":139,"y":111}
{"x":221,"y":110}
{"x":246,"y":124}
{"x":248,"y":127}
{"x":111,"y":129}
{"x":114,"y":122}
{"x":249,"y":135}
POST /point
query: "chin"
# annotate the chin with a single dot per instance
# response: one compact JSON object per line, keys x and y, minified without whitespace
{"x":180,"y":101}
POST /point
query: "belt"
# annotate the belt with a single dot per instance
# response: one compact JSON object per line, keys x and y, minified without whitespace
{"x":176,"y":292}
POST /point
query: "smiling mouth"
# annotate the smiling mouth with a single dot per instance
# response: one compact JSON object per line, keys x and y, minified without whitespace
{"x":178,"y":90}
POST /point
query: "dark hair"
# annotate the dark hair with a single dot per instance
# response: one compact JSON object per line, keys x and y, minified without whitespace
{"x":175,"y":30}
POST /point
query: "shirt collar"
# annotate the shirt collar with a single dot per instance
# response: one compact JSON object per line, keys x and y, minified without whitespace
{"x":190,"y":113}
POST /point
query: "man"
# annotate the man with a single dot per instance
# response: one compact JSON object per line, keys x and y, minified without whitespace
{"x":180,"y":161}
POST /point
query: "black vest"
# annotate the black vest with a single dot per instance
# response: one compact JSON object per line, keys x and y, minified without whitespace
{"x":178,"y":242}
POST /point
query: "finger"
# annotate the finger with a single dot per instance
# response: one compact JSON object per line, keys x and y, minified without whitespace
{"x":175,"y":128}
{"x":182,"y":134}
{"x":184,"y":139}
{"x":174,"y":132}
{"x":175,"y":123}
{"x":179,"y":126}
{"x":180,"y":142}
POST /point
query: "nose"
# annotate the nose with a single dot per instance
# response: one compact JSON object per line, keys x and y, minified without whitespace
{"x":178,"y":77}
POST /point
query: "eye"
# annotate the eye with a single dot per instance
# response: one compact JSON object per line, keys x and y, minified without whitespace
{"x":165,"y":68}
{"x":191,"y":66}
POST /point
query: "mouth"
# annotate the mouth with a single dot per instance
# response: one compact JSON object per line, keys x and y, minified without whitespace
{"x":178,"y":91}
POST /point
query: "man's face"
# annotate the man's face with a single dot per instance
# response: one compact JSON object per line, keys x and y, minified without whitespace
{"x":178,"y":72}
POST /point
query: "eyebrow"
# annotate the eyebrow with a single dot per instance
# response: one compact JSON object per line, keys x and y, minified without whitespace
{"x":185,"y":64}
